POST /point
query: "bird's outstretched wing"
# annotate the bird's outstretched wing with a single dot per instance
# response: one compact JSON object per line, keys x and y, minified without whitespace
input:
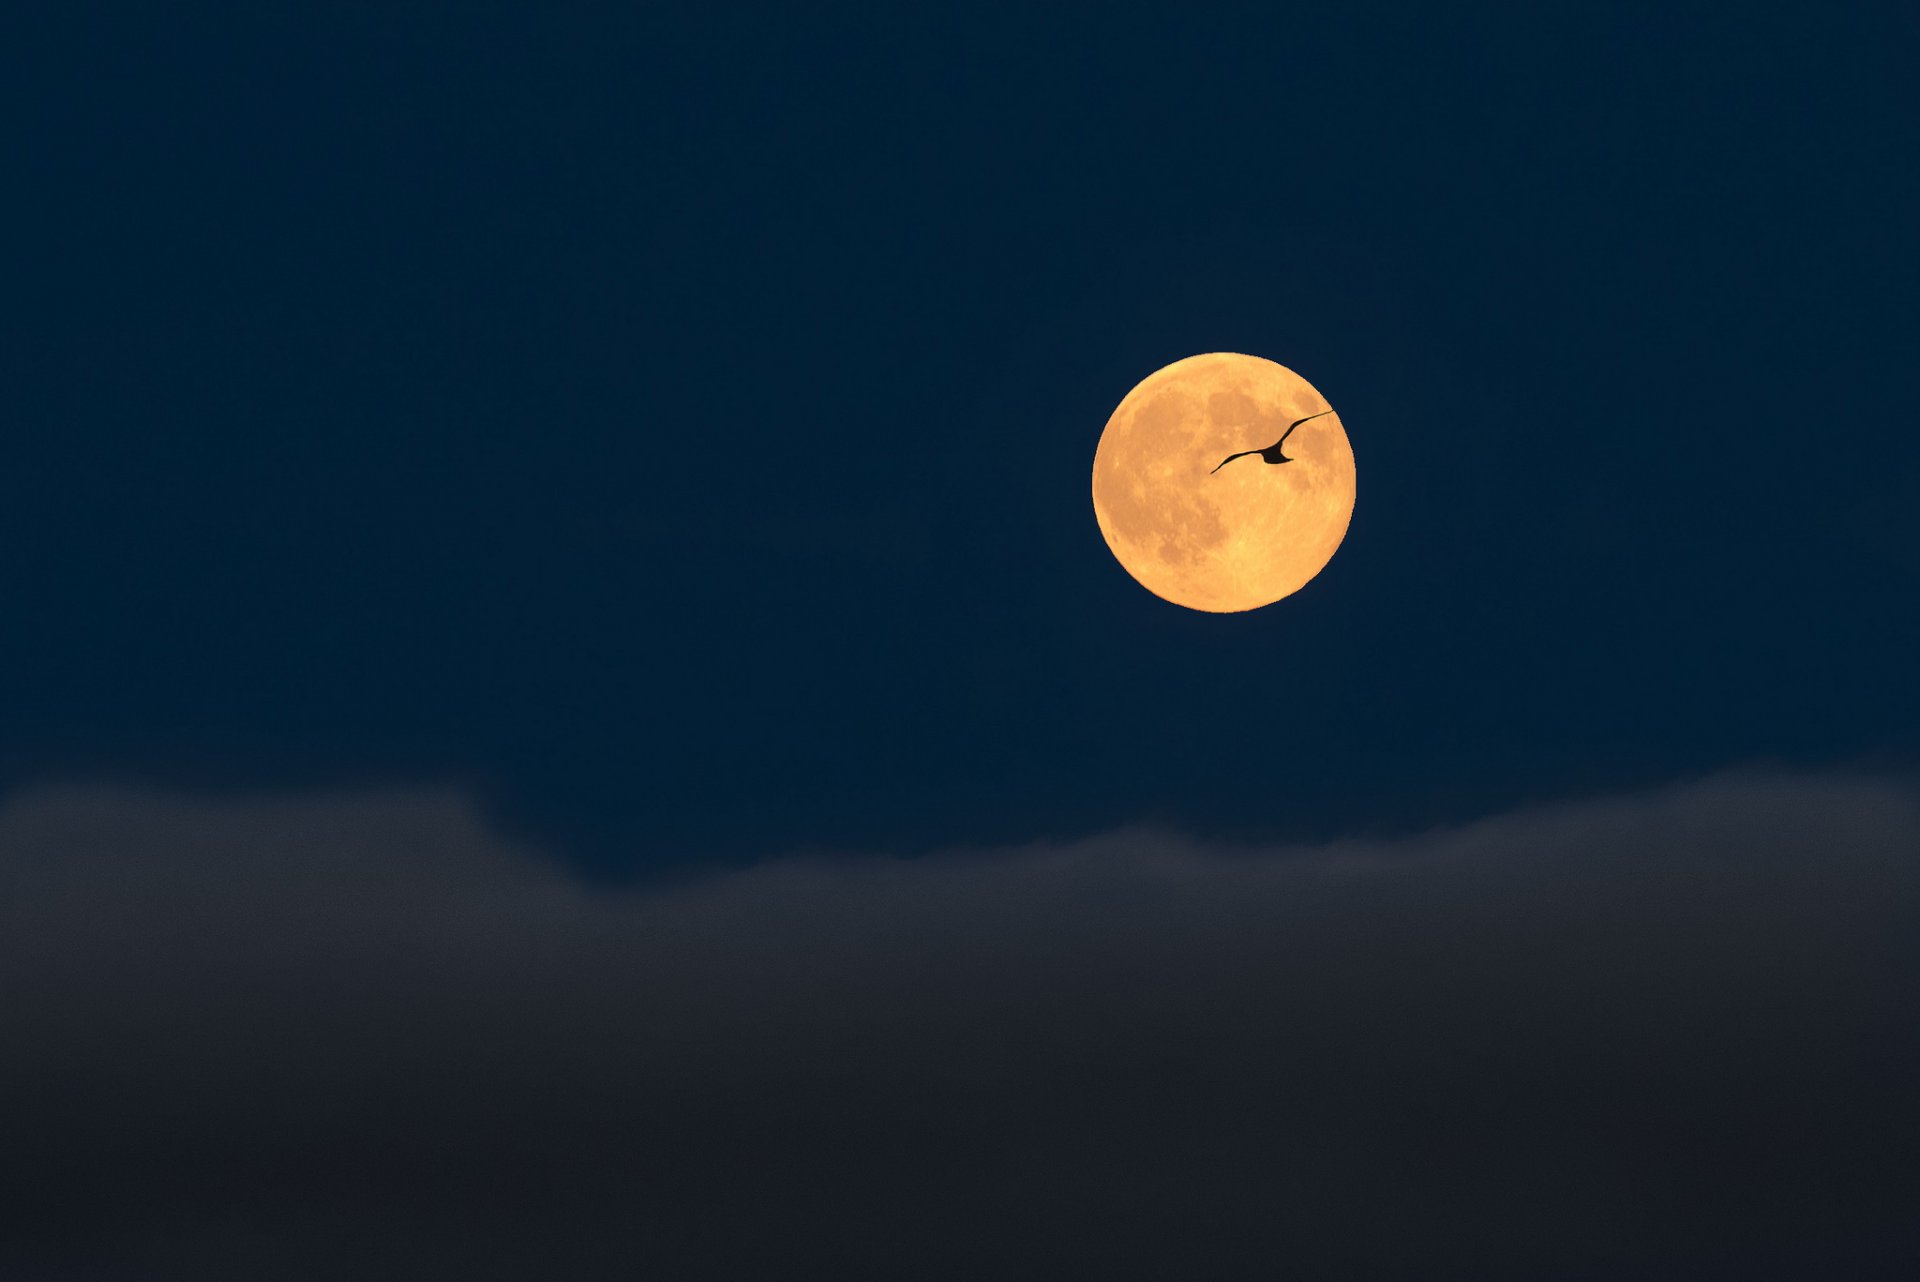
{"x":1231,"y":457}
{"x":1297,"y":422}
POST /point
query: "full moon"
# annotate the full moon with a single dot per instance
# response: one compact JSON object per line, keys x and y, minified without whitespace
{"x":1246,"y":535}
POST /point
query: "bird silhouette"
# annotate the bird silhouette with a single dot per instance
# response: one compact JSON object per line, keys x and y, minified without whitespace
{"x":1272,"y":453}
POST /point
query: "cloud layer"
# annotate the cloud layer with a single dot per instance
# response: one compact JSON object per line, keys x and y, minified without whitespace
{"x":1668,"y":1035}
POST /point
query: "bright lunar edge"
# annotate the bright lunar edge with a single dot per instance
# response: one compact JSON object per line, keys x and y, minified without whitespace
{"x":1240,"y":537}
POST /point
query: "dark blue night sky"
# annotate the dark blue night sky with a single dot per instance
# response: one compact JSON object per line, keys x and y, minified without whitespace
{"x":681,"y":425}
{"x":669,"y":428}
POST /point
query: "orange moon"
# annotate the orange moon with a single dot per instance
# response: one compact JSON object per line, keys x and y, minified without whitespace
{"x":1244,"y":536}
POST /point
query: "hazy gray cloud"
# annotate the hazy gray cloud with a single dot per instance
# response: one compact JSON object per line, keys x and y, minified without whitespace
{"x":365,"y":1036}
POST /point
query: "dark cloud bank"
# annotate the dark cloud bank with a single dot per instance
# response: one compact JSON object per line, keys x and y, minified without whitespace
{"x":1664,"y":1036}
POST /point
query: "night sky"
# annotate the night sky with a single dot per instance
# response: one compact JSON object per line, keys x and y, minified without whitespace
{"x":564,"y":712}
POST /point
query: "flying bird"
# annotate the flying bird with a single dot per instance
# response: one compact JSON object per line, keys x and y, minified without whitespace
{"x":1272,"y":453}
